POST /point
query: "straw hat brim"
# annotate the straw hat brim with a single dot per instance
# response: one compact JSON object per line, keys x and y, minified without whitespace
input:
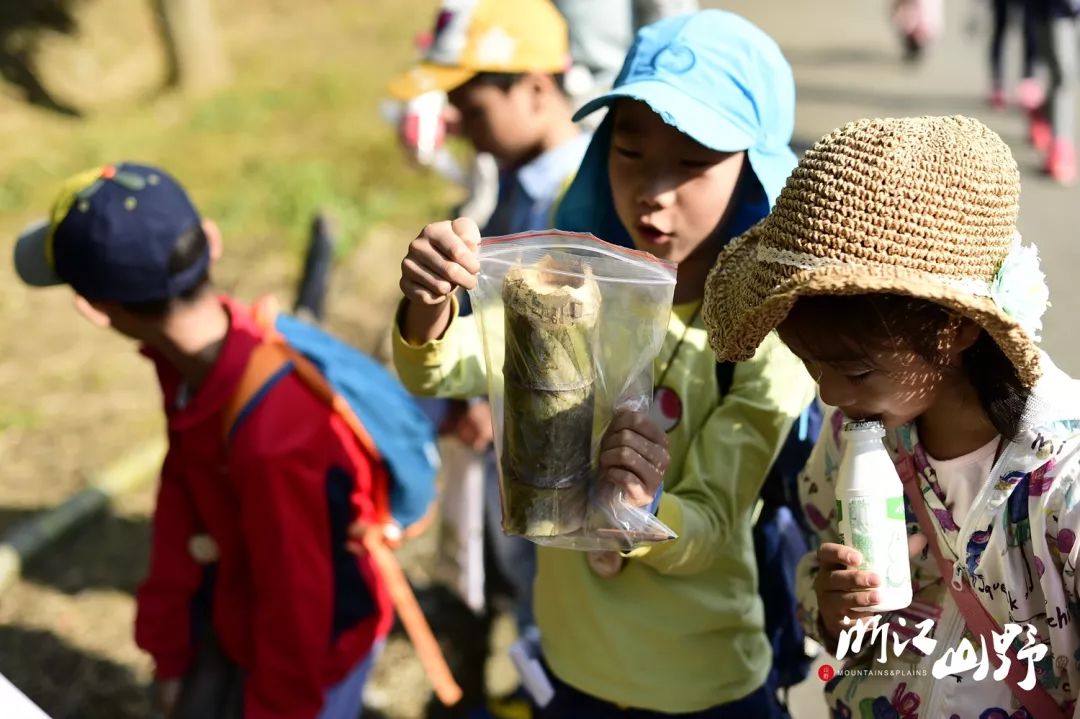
{"x":746,"y":298}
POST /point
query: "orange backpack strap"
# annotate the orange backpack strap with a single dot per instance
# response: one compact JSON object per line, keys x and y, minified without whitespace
{"x":314,"y":380}
{"x":412,"y":618}
{"x":267,"y":364}
{"x":271,"y":360}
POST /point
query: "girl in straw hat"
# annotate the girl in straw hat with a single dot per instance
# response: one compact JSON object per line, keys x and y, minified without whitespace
{"x":891,"y":265}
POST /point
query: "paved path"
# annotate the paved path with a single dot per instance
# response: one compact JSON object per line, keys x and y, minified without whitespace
{"x":847,"y":66}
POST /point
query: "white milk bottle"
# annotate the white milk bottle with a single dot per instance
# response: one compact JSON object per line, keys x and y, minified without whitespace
{"x":870,"y":513}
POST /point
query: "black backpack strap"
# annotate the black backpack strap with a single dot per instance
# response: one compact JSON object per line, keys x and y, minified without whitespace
{"x":725,"y":375}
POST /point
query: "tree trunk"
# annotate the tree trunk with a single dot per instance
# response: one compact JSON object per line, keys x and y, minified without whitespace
{"x":549,"y":395}
{"x":197,"y":61}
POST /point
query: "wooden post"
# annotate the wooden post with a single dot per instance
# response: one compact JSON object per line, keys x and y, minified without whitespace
{"x":197,"y":61}
{"x":551,"y":321}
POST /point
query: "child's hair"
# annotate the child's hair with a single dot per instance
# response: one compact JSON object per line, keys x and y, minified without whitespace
{"x":887,"y":320}
{"x":506,"y":80}
{"x":188,"y":250}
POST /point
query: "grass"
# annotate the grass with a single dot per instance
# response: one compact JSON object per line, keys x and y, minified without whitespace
{"x":297,"y":130}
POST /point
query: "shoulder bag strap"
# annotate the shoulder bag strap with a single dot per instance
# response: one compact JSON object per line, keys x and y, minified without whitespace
{"x":1036,"y":700}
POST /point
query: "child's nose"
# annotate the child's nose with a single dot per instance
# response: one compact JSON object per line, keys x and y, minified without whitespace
{"x":656,"y":193}
{"x":834,"y":392}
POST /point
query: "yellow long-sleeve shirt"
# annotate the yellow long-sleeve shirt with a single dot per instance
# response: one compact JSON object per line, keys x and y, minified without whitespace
{"x":681,"y":628}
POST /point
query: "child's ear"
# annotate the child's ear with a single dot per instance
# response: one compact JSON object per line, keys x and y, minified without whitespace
{"x":965,"y":334}
{"x":90,"y":311}
{"x":539,"y":87}
{"x":213,"y":238}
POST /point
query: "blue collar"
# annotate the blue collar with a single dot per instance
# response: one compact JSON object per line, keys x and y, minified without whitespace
{"x":545,"y":176}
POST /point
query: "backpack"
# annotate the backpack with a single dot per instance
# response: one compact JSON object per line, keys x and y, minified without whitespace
{"x":781,"y":538}
{"x":387,"y":422}
{"x":381,"y":413}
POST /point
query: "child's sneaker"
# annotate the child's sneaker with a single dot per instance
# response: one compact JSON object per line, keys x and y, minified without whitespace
{"x":1029,"y":94}
{"x":1061,"y":162}
{"x":1040,"y":134}
{"x":997,"y":99}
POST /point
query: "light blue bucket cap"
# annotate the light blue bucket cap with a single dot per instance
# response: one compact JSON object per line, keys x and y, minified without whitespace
{"x":714,"y":76}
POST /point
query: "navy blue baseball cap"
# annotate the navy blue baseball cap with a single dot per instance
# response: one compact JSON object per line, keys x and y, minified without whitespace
{"x":110,"y":236}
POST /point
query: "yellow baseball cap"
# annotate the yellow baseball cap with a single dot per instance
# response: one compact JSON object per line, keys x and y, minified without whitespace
{"x":474,"y":36}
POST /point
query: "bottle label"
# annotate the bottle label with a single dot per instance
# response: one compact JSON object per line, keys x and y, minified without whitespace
{"x":877,"y":528}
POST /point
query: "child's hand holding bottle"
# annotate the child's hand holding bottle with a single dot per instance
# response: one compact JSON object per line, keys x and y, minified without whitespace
{"x":845,"y":591}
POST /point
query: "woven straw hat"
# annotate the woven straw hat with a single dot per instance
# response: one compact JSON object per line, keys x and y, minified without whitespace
{"x":924,"y":207}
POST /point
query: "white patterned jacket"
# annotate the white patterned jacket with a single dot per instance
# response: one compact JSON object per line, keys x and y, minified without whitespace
{"x":1017,"y":546}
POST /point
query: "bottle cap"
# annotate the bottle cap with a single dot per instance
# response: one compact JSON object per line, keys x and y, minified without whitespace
{"x":865,"y":425}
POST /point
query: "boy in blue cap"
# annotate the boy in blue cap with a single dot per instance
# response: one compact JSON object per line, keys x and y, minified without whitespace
{"x":694,"y":151}
{"x":251,"y":586}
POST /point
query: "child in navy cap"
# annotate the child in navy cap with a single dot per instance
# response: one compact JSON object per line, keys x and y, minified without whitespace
{"x":250,"y":584}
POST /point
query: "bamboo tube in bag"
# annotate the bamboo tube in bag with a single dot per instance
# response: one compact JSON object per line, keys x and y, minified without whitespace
{"x":549,"y":395}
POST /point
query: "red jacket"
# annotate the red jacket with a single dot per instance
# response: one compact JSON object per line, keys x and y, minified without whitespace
{"x":288,"y":602}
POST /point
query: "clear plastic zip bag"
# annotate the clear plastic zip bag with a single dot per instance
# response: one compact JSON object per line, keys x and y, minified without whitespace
{"x":570,"y":326}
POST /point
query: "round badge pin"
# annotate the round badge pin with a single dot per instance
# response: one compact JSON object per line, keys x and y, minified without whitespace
{"x":203,"y":549}
{"x":605,"y":564}
{"x":666,"y":409}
